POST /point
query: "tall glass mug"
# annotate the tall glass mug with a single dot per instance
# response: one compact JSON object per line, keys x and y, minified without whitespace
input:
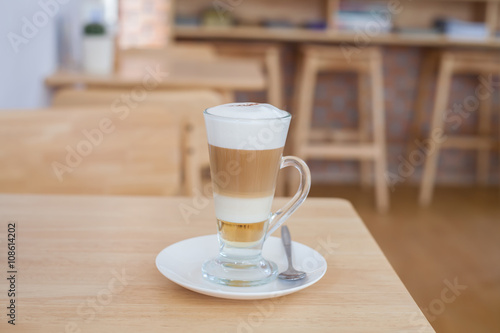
{"x":246,"y":145}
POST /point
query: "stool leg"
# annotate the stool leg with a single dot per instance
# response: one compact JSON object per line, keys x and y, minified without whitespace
{"x":303,"y":107}
{"x":227,"y":96}
{"x":377,"y":90}
{"x":441,"y":99}
{"x":364,"y":131}
{"x":274,"y":78}
{"x":427,"y":69}
{"x":483,"y":157}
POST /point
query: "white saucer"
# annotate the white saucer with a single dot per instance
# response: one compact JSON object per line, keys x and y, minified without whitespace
{"x":181,"y":263}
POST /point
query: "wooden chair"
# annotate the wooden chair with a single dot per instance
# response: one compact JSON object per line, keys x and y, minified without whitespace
{"x":449,"y":63}
{"x":188,"y":104}
{"x":270,"y":56}
{"x":90,"y":151}
{"x":317,"y":143}
{"x":135,"y":59}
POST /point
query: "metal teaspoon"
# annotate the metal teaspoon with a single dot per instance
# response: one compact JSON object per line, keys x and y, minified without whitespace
{"x":291,"y":273}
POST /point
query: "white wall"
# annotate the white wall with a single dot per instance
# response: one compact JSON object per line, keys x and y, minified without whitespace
{"x":22,"y":73}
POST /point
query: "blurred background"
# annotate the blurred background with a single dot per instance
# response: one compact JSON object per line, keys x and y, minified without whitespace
{"x":395,"y":107}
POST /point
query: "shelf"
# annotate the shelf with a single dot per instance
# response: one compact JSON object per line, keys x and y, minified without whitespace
{"x":304,"y":35}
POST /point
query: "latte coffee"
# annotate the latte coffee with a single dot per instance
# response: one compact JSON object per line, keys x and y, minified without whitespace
{"x":245,"y":141}
{"x":244,"y":165}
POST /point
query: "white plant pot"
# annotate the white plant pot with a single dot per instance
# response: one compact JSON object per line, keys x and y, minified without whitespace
{"x":98,"y":54}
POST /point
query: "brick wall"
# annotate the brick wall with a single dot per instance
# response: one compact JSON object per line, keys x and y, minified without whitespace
{"x":144,"y":23}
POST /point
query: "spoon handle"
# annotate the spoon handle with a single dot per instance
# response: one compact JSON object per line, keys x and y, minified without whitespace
{"x":287,"y":243}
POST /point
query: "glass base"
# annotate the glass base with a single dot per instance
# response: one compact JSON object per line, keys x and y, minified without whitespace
{"x":239,"y":273}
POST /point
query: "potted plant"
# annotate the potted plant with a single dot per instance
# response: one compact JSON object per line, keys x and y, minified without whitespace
{"x":98,"y":49}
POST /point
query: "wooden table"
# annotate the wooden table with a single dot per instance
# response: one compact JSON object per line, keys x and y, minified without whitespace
{"x":223,"y":74}
{"x":87,"y":264}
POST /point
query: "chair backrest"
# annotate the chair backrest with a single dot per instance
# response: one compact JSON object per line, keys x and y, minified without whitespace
{"x":269,"y":55}
{"x":90,"y":151}
{"x":188,"y":104}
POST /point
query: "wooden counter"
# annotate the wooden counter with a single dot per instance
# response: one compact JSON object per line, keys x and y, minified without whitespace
{"x":337,"y":37}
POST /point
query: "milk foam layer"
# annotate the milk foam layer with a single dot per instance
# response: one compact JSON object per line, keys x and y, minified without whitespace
{"x":242,"y":210}
{"x":247,"y":111}
{"x":247,"y":126}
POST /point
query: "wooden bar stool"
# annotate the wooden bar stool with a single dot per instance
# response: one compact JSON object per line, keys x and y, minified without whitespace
{"x":317,"y":143}
{"x":450,"y":63}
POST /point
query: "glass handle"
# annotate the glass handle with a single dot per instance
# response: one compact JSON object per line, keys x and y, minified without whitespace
{"x":282,"y":214}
